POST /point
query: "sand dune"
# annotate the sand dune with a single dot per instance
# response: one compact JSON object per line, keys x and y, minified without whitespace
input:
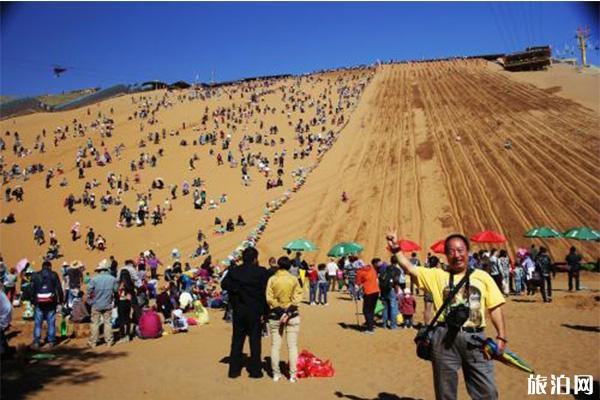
{"x":398,"y":158}
{"x":401,"y":163}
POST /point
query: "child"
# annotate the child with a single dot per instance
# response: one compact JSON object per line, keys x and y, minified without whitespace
{"x":313,"y":281}
{"x":179,"y":322}
{"x":323,"y":284}
{"x":408,"y":307}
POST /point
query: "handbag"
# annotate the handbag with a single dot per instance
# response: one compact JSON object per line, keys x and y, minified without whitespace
{"x":424,"y":335}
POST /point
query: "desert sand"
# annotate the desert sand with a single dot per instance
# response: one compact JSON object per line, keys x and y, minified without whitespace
{"x":421,"y":147}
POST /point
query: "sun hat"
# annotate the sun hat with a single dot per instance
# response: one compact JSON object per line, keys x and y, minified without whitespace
{"x":102,"y":265}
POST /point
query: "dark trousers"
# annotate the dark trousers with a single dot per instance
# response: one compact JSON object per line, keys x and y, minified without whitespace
{"x":573,"y":275}
{"x":369,"y":303}
{"x":546,"y":288}
{"x":245,"y":324}
{"x":124,"y":313}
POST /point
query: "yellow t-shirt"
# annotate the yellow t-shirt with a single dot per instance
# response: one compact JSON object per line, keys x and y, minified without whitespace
{"x":483,"y":292}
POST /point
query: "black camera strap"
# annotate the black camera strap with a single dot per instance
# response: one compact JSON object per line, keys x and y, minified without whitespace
{"x":448,"y":300}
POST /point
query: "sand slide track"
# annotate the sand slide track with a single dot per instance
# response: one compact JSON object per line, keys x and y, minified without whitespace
{"x":560,"y":162}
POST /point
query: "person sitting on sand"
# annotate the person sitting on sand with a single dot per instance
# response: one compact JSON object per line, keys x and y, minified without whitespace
{"x":149,"y":324}
{"x":230,"y":226}
{"x":100,"y":243}
{"x":9,"y":219}
{"x":179,"y":322}
{"x":240,"y":221}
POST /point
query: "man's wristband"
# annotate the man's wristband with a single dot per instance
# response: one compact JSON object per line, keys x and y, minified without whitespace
{"x":501,"y":338}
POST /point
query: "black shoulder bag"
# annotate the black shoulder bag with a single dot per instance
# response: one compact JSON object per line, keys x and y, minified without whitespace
{"x":423,"y":338}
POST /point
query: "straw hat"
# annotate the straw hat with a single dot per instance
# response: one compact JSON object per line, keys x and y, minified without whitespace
{"x":102,"y":265}
{"x":77,"y":264}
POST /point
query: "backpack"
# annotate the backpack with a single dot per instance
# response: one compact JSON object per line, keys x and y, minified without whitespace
{"x":387,"y":280}
{"x":47,"y":291}
{"x":544,"y":263}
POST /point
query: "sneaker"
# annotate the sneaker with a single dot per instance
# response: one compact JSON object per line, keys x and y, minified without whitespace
{"x":369,"y":332}
{"x":35,"y":346}
{"x":276,"y":378}
{"x":293,"y":379}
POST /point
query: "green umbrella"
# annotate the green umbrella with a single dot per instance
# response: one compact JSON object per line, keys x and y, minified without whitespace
{"x":582,"y":233}
{"x":543,"y":232}
{"x":300,"y":245}
{"x":344,"y":249}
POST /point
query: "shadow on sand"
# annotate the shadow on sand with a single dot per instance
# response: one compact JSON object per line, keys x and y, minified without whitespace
{"x":593,"y":395}
{"x":524,"y":301}
{"x":584,"y":328}
{"x":380,"y":396}
{"x":22,"y":375}
{"x":265,"y":365}
{"x":354,"y":327}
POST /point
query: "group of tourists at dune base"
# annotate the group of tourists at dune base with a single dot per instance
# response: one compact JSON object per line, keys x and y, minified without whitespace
{"x":464,"y":293}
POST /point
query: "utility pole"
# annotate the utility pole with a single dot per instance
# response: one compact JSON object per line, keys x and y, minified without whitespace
{"x":581,"y":38}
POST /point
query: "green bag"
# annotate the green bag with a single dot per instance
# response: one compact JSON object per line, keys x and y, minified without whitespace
{"x":379,"y":308}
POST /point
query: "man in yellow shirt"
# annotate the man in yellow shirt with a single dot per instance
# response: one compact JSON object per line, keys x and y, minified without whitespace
{"x":452,"y":345}
{"x":284,"y":294}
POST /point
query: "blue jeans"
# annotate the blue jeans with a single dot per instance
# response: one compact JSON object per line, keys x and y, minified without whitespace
{"x":323,"y":292}
{"x":390,"y":309}
{"x":354,"y":291}
{"x":518,"y":280}
{"x":312,"y":292}
{"x":48,"y":314}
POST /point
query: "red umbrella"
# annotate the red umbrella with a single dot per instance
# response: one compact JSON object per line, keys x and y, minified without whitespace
{"x":438,"y":247}
{"x":488,"y":237}
{"x":408,"y":245}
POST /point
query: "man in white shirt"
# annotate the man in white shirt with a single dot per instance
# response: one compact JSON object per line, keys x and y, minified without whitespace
{"x":332,"y":269}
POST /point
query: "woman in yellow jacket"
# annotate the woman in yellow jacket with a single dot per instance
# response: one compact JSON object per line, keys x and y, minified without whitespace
{"x":284,"y":295}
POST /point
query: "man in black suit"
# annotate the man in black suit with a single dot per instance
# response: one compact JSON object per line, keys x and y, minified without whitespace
{"x":246,"y":285}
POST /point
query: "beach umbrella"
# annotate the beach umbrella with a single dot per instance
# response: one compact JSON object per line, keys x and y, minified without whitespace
{"x":300,"y":245}
{"x":582,"y":233}
{"x":438,"y":247}
{"x":543,"y":232}
{"x":21,"y":265}
{"x":345,"y":249}
{"x":408,"y":245}
{"x":488,"y":237}
{"x":507,"y":357}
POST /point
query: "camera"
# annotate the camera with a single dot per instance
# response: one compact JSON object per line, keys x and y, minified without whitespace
{"x":457,"y":316}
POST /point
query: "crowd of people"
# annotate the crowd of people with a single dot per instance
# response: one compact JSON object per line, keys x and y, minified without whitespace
{"x":134,"y":300}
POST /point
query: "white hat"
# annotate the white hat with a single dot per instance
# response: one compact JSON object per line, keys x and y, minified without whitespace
{"x":178,"y":313}
{"x":407,"y":291}
{"x":102,"y":265}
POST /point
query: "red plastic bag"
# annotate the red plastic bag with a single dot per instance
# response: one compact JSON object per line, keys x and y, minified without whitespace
{"x":309,"y":365}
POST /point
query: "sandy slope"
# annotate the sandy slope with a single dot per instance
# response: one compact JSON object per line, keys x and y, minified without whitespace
{"x":563,"y":80}
{"x":400,"y":162}
{"x":179,"y":230}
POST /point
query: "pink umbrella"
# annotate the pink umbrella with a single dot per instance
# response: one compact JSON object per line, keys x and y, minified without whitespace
{"x":488,"y":237}
{"x":21,"y":265}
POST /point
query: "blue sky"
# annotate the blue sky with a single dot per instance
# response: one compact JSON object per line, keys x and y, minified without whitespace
{"x":108,"y":43}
